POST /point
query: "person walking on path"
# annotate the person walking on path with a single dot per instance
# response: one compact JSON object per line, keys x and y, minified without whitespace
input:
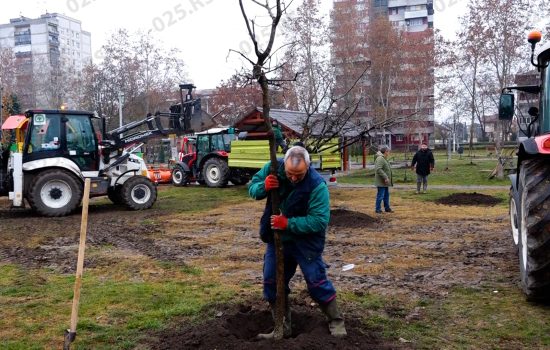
{"x":424,"y":163}
{"x":383,"y":179}
{"x":303,"y":221}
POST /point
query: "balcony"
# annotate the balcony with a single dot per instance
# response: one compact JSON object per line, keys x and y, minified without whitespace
{"x":396,"y":18}
{"x":397,"y":3}
{"x":416,"y":14}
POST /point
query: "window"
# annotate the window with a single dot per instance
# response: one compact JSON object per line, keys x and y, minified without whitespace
{"x":80,"y":135}
{"x":399,"y":138}
{"x":415,"y":22}
{"x":45,"y":133}
{"x":22,"y":36}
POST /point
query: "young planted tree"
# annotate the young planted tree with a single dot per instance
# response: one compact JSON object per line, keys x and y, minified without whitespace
{"x":261,"y":67}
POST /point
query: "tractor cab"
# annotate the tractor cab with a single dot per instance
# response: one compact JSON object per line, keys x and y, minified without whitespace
{"x":539,"y":116}
{"x":216,"y":140}
{"x":203,"y":158}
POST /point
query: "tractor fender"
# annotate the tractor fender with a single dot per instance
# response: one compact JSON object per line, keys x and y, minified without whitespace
{"x":184,"y":166}
{"x":57,"y":162}
{"x":529,"y":147}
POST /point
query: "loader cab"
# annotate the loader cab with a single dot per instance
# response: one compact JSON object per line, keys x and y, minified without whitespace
{"x":62,"y":134}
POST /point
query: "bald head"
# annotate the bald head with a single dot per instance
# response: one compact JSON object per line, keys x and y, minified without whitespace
{"x":296,"y":163}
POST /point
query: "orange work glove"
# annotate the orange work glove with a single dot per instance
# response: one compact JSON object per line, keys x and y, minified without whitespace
{"x":279,"y":222}
{"x":271,"y":182}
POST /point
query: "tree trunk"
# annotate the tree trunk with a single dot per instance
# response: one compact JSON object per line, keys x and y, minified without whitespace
{"x":275,"y":202}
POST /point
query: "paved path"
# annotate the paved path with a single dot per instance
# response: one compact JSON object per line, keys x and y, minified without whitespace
{"x":430,"y":187}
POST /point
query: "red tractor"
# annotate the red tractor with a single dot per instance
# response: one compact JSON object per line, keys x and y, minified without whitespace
{"x":203,"y":158}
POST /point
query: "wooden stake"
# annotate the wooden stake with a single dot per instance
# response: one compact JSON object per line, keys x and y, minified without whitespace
{"x":70,"y":333}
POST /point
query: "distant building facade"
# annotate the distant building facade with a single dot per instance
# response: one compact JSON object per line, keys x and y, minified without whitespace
{"x":52,"y":41}
{"x":350,"y":20}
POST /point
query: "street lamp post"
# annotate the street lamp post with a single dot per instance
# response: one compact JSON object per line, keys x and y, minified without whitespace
{"x":120,"y":103}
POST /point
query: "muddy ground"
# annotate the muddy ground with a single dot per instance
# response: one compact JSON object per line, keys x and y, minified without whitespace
{"x":422,"y":250}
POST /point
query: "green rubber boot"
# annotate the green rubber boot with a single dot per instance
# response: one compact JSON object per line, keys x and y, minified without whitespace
{"x":287,"y":325}
{"x":335,"y":320}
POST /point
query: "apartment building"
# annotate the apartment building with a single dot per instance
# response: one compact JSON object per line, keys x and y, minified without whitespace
{"x":413,"y":88}
{"x":41,"y":45}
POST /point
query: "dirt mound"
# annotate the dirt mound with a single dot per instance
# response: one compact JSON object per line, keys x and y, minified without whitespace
{"x":237,"y":326}
{"x":350,"y":219}
{"x":469,"y":199}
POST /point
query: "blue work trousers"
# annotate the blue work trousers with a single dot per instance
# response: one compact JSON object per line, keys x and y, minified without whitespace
{"x":319,"y":286}
{"x":383,"y":194}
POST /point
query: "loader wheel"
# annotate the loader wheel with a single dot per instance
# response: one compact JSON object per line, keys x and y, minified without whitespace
{"x":179,"y":176}
{"x":54,"y":192}
{"x":216,"y":172}
{"x":534,"y":229}
{"x":115,"y":194}
{"x":139,"y":193}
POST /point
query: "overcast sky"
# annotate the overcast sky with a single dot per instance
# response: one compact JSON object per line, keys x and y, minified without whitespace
{"x":204,"y":30}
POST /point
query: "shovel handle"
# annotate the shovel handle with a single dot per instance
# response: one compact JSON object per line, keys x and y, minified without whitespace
{"x":80,"y":261}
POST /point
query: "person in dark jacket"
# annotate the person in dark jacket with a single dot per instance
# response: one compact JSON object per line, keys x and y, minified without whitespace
{"x":424,"y":163}
{"x":303,"y":220}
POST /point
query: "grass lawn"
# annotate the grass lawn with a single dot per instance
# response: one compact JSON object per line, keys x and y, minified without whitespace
{"x":456,"y":172}
{"x":122,"y":303}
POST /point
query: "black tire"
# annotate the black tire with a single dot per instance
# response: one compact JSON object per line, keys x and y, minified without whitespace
{"x":179,"y":177}
{"x":534,"y":236}
{"x":139,"y":193}
{"x":115,"y":194}
{"x":216,"y":172}
{"x":55,"y":192}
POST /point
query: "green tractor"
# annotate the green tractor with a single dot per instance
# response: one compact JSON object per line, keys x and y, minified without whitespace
{"x":530,"y":186}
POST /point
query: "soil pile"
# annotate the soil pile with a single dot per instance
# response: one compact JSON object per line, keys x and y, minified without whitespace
{"x":350,"y":219}
{"x":469,"y":199}
{"x":237,"y":327}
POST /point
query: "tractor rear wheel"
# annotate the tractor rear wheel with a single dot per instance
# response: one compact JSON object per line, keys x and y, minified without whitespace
{"x":534,"y":232}
{"x":216,"y":172}
{"x":179,"y":176}
{"x":55,"y":192}
{"x":139,"y":193}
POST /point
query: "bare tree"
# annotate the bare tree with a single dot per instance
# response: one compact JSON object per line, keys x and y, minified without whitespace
{"x":233,"y":98}
{"x":136,"y":66}
{"x":261,"y":67}
{"x":504,"y":23}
